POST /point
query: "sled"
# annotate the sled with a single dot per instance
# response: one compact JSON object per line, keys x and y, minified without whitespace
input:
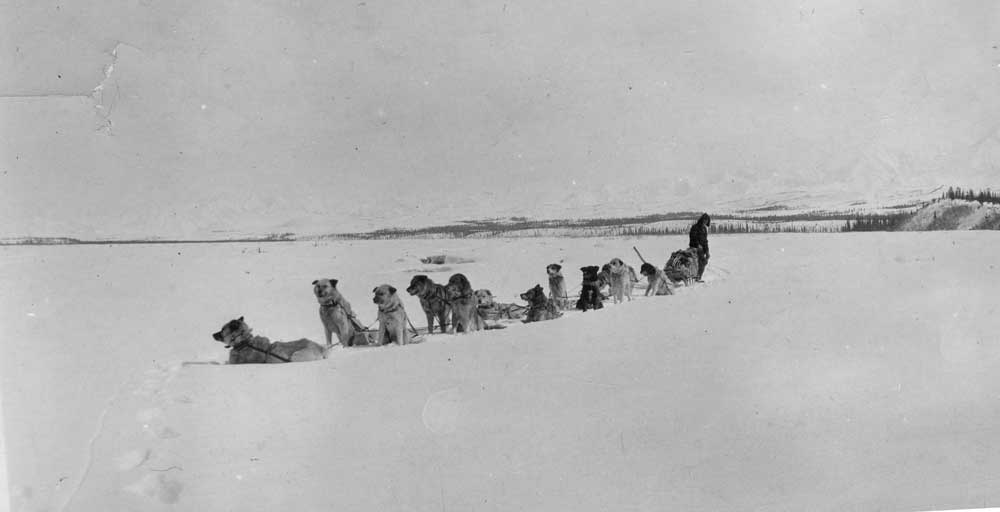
{"x":682,"y":266}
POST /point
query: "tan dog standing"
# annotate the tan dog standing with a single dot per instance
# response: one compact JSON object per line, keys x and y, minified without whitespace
{"x":335,"y":313}
{"x":245,"y":348}
{"x":657,"y":279}
{"x":392,"y":320}
{"x":620,"y":280}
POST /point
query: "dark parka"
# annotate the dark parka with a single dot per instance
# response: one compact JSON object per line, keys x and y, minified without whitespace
{"x":699,"y":234}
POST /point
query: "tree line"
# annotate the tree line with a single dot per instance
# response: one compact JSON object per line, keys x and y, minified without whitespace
{"x":983,"y":196}
{"x":876,"y":222}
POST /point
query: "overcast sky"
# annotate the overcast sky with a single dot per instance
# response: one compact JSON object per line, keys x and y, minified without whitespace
{"x":132,"y":118}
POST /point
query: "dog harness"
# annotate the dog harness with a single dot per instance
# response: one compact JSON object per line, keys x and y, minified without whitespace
{"x":437,"y":293}
{"x":246,"y":343}
{"x":350,"y":314}
{"x":397,"y":307}
{"x":394,"y":308}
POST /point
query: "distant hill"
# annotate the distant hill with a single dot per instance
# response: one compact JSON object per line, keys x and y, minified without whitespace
{"x":930,"y":214}
{"x":789,"y":212}
{"x":954,"y":214}
{"x":40,"y":240}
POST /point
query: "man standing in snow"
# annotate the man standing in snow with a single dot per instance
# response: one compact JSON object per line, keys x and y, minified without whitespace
{"x":699,"y":240}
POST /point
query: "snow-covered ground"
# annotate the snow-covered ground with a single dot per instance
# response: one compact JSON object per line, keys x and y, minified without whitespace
{"x":811,"y":372}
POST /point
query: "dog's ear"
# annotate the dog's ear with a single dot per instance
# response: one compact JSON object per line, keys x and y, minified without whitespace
{"x":333,"y":282}
{"x":241,"y":319}
{"x":392,"y":289}
{"x":314,"y":282}
{"x":557,"y":266}
{"x":375,"y":290}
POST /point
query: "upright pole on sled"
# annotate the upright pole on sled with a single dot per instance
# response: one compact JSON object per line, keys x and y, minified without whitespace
{"x":638,"y":254}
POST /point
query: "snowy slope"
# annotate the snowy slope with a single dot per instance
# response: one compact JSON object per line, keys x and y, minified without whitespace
{"x":812,"y":372}
{"x":954,"y":214}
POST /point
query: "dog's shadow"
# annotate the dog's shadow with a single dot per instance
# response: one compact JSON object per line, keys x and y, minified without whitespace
{"x":194,"y":363}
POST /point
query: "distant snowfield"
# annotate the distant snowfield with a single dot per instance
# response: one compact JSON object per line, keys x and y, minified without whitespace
{"x":811,"y":372}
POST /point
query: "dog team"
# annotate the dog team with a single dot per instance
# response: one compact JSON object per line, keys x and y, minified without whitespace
{"x":455,"y":307}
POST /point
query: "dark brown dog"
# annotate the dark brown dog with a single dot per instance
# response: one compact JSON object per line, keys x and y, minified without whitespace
{"x":335,"y":313}
{"x":539,"y":307}
{"x":557,"y":286}
{"x":245,"y":348}
{"x":590,"y":293}
{"x":464,"y":313}
{"x":391,"y":317}
{"x":433,"y":300}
